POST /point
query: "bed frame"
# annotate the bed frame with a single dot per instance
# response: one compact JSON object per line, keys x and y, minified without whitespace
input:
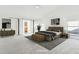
{"x":57,"y":29}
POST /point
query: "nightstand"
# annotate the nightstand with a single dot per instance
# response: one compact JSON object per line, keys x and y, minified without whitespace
{"x":64,"y":35}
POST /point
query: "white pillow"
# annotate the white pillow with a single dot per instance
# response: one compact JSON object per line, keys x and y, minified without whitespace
{"x":7,"y":29}
{"x":42,"y":29}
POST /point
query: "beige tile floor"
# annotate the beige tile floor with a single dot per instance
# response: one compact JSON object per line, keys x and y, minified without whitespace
{"x":21,"y":45}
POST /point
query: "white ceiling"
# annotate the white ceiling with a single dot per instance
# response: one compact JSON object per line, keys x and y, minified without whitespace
{"x":25,"y":11}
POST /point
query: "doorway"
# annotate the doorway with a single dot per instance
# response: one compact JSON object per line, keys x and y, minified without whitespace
{"x":27,"y":27}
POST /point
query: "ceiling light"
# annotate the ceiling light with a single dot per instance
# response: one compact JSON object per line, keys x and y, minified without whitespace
{"x":37,"y":6}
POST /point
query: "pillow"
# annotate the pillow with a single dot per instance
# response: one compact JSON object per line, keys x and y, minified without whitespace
{"x":7,"y":29}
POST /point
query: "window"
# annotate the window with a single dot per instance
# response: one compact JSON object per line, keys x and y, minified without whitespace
{"x":73,"y":27}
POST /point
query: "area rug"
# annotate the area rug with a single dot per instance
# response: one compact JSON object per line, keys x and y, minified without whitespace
{"x":49,"y":45}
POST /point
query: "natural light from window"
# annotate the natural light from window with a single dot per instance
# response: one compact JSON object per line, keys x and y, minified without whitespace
{"x":73,"y":25}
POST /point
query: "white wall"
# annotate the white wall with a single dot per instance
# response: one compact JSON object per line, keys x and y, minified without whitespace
{"x":0,"y":23}
{"x":14,"y":25}
{"x":65,"y":13}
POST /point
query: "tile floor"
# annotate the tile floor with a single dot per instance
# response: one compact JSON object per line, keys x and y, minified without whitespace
{"x":21,"y":45}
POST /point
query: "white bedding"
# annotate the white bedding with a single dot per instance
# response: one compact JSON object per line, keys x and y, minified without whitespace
{"x":57,"y":33}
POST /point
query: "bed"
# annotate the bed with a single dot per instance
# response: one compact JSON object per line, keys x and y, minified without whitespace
{"x":51,"y":33}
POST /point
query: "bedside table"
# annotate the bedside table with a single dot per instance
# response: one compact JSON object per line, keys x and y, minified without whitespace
{"x":64,"y":35}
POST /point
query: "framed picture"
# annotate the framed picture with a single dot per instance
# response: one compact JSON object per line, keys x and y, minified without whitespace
{"x":55,"y":21}
{"x":6,"y":23}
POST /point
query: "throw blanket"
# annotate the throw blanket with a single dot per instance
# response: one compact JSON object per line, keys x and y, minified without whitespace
{"x":49,"y":34}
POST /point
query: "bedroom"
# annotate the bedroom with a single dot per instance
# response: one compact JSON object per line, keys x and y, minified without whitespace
{"x":26,"y":18}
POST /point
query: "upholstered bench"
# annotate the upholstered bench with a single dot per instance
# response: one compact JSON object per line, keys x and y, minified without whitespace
{"x":38,"y":37}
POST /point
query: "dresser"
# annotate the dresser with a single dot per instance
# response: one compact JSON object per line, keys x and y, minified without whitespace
{"x":7,"y":32}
